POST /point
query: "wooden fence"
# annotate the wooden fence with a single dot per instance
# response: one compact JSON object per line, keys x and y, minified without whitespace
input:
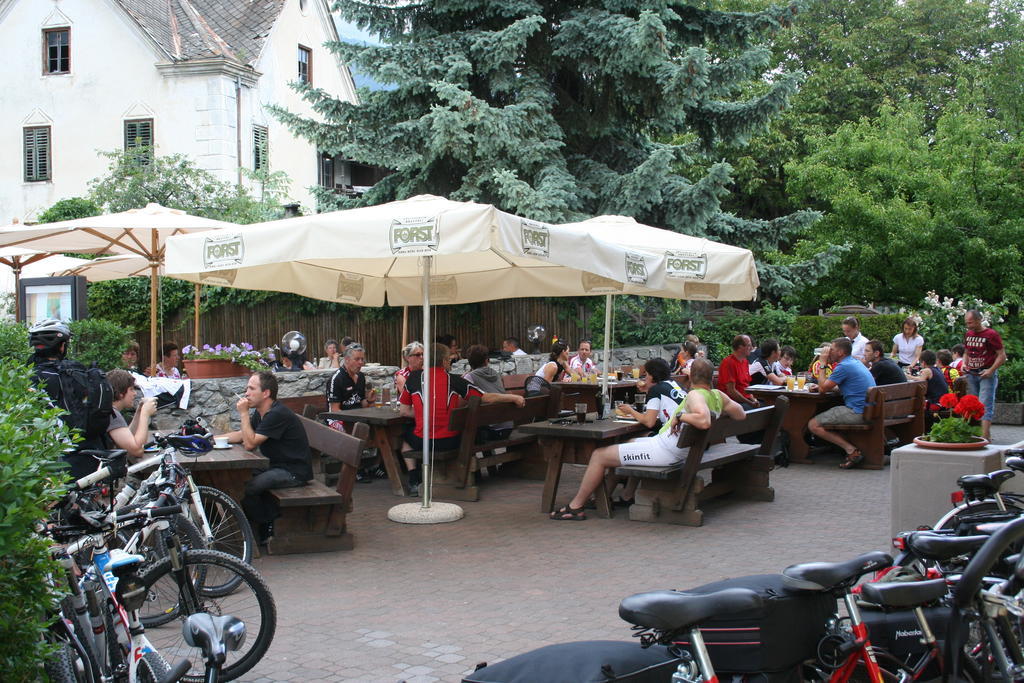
{"x":380,"y":331}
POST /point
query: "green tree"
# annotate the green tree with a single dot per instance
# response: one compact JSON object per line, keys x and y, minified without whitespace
{"x":69,"y":209}
{"x":923,"y":210}
{"x":560,"y":111}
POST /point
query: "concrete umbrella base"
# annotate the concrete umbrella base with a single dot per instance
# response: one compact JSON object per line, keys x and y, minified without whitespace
{"x":415,"y":513}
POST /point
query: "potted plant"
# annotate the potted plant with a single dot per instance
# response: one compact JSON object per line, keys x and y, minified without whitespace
{"x":956,"y":432}
{"x":234,"y":360}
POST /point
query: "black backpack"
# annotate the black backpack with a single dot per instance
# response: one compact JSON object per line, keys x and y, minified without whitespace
{"x":84,"y":393}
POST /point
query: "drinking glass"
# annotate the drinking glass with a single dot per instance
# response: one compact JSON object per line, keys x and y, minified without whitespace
{"x":581,"y":413}
{"x":636,"y":373}
{"x":801,"y":381}
{"x":790,"y":382}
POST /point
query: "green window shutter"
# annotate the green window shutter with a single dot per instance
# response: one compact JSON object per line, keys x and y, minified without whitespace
{"x":139,"y":133}
{"x":37,"y":154}
{"x":260,"y":148}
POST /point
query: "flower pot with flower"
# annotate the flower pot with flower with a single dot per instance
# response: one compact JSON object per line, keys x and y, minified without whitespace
{"x":233,"y":360}
{"x":956,"y":432}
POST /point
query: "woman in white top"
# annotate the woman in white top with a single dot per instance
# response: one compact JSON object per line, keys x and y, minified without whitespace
{"x":906,"y":346}
{"x":557,"y":366}
{"x":582,"y":362}
{"x":168,"y":365}
{"x":332,"y":356}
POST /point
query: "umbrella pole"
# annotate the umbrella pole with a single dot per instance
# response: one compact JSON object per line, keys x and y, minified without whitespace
{"x":608,"y":302}
{"x":17,"y":289}
{"x":195,"y":314}
{"x":153,"y":268}
{"x":427,"y":348}
{"x":405,"y":332}
{"x":426,"y":513}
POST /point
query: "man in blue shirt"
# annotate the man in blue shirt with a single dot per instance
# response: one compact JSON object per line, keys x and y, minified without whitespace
{"x":853,"y":380}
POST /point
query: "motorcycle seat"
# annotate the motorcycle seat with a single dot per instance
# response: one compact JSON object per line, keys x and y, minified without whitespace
{"x":668,"y":610}
{"x":904,"y":594}
{"x":824,"y":576}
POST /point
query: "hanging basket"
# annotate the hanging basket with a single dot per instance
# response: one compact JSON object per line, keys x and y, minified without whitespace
{"x":209,"y":368}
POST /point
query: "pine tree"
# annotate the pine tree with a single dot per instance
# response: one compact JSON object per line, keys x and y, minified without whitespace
{"x":561,"y":111}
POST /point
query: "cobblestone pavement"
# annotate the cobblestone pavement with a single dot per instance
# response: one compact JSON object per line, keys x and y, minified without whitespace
{"x":427,"y":603}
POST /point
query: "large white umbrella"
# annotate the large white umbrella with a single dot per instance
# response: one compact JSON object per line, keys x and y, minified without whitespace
{"x":424,"y":249}
{"x":692,"y":268}
{"x":143,"y":232}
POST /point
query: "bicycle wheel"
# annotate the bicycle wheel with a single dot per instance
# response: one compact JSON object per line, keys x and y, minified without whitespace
{"x":172,"y":601}
{"x":981,"y":510}
{"x":66,"y":666}
{"x":152,"y":668}
{"x":232,"y":533}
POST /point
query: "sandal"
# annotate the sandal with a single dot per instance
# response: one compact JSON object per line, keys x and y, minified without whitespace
{"x":853,"y":458}
{"x":569,"y":514}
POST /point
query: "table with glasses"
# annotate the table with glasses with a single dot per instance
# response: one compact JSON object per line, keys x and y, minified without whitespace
{"x":386,"y":427}
{"x":226,"y":469}
{"x":803,"y":405}
{"x":573,"y":444}
{"x":587,"y":392}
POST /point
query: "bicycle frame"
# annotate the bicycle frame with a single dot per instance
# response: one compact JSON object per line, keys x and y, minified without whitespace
{"x":864,"y":652}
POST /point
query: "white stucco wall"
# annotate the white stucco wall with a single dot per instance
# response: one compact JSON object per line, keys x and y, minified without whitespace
{"x":114,"y":77}
{"x":279,"y":66}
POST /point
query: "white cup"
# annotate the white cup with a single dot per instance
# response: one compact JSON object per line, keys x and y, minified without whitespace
{"x":221,"y":441}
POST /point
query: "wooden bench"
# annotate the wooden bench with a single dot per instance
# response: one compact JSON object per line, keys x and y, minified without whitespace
{"x":313,"y":516}
{"x":896,"y":407}
{"x":456,"y":472}
{"x":514,"y":384}
{"x":298,"y":404}
{"x":672,"y":493}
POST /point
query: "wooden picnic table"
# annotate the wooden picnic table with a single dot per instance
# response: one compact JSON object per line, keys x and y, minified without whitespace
{"x":573,"y":444}
{"x":803,"y":405}
{"x":585,"y":392}
{"x":386,"y":426}
{"x":226,"y":469}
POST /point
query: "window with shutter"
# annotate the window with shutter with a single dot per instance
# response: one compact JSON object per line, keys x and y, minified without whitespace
{"x":260,"y":148}
{"x":138,"y":135}
{"x":57,"y":51}
{"x":37,"y":154}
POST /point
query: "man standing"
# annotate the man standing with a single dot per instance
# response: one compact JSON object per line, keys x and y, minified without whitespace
{"x":851,"y":328}
{"x":734,"y":373}
{"x":347,"y":388}
{"x":853,"y":380}
{"x":511,"y":345}
{"x":278,"y":433}
{"x":984,"y":354}
{"x":883,"y":368}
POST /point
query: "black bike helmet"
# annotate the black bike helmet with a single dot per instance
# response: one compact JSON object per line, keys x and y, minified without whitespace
{"x":48,"y":335}
{"x":190,"y":445}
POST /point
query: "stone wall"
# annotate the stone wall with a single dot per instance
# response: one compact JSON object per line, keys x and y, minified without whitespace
{"x":214,"y":400}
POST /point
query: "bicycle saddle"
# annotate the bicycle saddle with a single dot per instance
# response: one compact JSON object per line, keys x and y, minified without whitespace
{"x":904,"y":594}
{"x":215,"y":636}
{"x":823,"y":576}
{"x":983,"y":484}
{"x":940,"y":547}
{"x":675,"y":610}
{"x":1015,"y":462}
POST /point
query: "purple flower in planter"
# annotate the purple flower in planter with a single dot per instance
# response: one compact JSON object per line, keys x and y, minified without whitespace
{"x":207,"y":347}
{"x":188,"y":350}
{"x":247,"y":346}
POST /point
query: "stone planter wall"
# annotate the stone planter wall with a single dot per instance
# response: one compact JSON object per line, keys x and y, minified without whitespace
{"x":1009,"y":414}
{"x":214,"y":400}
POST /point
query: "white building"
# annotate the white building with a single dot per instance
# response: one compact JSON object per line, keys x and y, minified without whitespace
{"x":190,"y":77}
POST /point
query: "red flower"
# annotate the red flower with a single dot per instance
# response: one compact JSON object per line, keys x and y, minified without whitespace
{"x":970,"y":408}
{"x":948,"y":401}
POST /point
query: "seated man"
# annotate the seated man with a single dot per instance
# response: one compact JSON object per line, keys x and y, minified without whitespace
{"x":853,"y":380}
{"x":446,"y":390}
{"x":762,"y":370}
{"x":734,"y":373}
{"x":486,"y":379}
{"x":511,"y":345}
{"x":120,"y":434}
{"x":697,"y":408}
{"x":346,"y":390}
{"x":278,"y":433}
{"x":883,"y":368}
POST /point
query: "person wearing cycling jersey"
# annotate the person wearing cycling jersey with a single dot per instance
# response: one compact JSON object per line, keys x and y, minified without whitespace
{"x":278,"y":433}
{"x":120,"y":434}
{"x":697,"y":408}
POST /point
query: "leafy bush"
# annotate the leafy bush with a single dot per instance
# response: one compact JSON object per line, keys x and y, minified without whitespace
{"x":69,"y":209}
{"x":31,"y":441}
{"x":99,"y":341}
{"x":768,"y":323}
{"x":1011,"y":382}
{"x":811,"y":330}
{"x":14,"y":341}
{"x":941,"y":320}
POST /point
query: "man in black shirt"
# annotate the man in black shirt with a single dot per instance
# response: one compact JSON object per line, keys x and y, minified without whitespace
{"x":278,"y":433}
{"x":883,"y":369}
{"x":346,"y":389}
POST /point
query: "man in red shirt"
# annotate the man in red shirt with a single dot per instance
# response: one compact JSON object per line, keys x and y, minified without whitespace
{"x":983,"y":356}
{"x":734,"y":373}
{"x":446,"y":394}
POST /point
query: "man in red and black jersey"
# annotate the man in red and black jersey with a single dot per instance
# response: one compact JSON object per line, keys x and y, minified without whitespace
{"x":447,"y":391}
